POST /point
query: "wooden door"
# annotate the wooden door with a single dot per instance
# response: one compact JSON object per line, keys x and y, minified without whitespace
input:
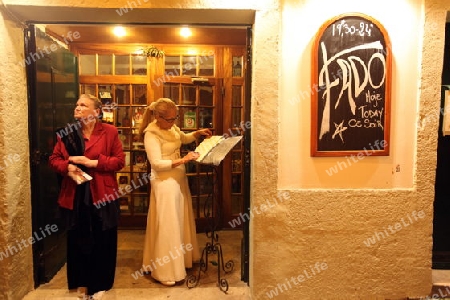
{"x":53,"y":90}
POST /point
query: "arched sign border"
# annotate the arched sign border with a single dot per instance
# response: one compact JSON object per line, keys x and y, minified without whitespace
{"x":378,"y":118}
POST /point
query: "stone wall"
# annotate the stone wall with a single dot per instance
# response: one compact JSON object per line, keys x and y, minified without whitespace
{"x":16,"y":264}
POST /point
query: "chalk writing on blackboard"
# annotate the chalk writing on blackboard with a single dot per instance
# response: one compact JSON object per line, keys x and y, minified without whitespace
{"x":351,"y":67}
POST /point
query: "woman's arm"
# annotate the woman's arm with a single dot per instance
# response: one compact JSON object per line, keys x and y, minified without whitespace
{"x":154,"y":153}
{"x":59,"y":159}
{"x":205,"y":131}
{"x":188,"y":157}
{"x":111,"y":158}
{"x":187,"y":138}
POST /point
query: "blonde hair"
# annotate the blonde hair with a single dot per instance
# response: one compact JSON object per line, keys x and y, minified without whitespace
{"x":97,"y":102}
{"x":158,"y":107}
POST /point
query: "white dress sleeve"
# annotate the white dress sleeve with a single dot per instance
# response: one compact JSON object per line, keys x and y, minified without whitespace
{"x":186,"y":138}
{"x":154,"y":153}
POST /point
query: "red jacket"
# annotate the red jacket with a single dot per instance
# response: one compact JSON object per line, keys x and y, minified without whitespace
{"x":105,"y":146}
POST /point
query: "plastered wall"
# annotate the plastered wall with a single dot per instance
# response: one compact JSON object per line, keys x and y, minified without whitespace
{"x":307,"y":241}
{"x":378,"y":172}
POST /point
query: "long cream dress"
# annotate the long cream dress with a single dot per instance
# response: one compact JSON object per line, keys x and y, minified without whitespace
{"x":170,"y":240}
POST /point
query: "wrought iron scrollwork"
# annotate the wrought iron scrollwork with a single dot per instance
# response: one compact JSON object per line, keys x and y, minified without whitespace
{"x":212,"y":247}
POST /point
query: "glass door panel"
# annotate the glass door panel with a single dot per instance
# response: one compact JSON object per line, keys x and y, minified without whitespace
{"x":189,"y":94}
{"x":87,"y":64}
{"x":206,"y":66}
{"x":236,"y":95}
{"x":237,"y":204}
{"x":88,"y":89}
{"x":172,"y":65}
{"x":125,"y":138}
{"x":172,"y":91}
{"x":206,"y":117}
{"x":122,"y":93}
{"x":105,"y":93}
{"x":140,"y":94}
{"x":138,"y":65}
{"x":140,"y":204}
{"x":105,"y":66}
{"x":122,"y":65}
{"x":206,"y":95}
{"x":123,"y":116}
{"x":189,"y":64}
{"x":237,"y":66}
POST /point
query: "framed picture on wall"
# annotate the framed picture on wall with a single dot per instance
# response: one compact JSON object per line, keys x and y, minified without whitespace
{"x":351,"y":76}
{"x":123,"y":179}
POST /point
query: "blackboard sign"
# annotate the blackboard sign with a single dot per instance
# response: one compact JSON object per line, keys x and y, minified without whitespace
{"x":351,"y":78}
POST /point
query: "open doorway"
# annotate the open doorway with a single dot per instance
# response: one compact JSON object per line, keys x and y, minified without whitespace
{"x":224,"y":97}
{"x":441,"y":221}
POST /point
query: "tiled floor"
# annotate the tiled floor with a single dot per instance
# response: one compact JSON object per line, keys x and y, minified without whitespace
{"x":129,"y":260}
{"x":441,"y":284}
{"x":126,"y":287}
{"x":441,"y":277}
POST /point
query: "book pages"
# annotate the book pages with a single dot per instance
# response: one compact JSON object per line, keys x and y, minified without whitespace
{"x":218,"y":152}
{"x":207,"y":145}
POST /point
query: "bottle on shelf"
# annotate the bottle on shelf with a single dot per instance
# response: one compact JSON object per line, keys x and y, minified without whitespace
{"x":190,"y":119}
{"x":237,"y":69}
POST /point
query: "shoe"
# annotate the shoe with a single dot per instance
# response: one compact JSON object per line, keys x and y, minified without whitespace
{"x":168,"y":283}
{"x":98,"y":295}
{"x":81,"y":292}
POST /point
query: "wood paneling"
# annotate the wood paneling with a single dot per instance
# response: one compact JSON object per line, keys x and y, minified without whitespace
{"x":148,"y":35}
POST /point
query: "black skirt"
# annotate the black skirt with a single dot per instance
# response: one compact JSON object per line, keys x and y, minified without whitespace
{"x":91,"y":242}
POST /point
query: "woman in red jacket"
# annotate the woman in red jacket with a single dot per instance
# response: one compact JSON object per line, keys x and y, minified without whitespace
{"x":87,"y":155}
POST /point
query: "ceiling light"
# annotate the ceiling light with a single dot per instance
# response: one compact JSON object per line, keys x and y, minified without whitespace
{"x":119,"y":31}
{"x":185,"y":32}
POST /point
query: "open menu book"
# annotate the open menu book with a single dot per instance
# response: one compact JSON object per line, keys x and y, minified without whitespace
{"x":214,"y":149}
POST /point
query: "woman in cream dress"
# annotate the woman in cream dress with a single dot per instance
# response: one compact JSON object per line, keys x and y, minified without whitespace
{"x":170,"y":240}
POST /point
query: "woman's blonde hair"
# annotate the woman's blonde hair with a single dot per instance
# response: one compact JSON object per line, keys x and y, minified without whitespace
{"x":97,"y":102}
{"x":158,"y":107}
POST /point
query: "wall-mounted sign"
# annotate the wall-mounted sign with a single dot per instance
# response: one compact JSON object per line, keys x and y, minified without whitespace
{"x":352,"y":77}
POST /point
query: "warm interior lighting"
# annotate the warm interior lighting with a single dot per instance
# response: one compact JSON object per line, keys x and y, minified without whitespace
{"x":119,"y":31}
{"x":185,"y":32}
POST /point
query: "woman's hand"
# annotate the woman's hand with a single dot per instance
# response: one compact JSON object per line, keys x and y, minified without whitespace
{"x":188,"y":157}
{"x":205,"y":131}
{"x":74,"y":172}
{"x":71,"y":168}
{"x":191,"y":156}
{"x":83,"y":160}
